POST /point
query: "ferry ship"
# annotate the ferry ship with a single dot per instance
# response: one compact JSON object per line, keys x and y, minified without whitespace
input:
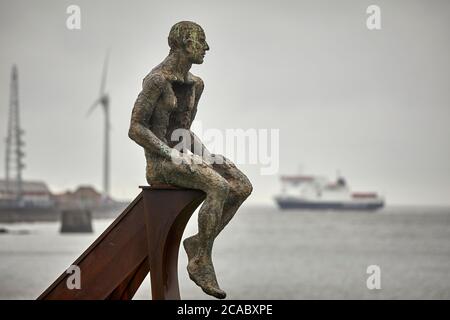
{"x":317,"y":193}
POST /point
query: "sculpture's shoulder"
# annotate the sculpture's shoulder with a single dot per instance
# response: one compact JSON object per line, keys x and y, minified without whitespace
{"x":198,"y":82}
{"x":155,"y":80}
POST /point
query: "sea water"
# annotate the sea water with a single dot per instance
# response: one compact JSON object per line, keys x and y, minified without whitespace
{"x":266,"y":253}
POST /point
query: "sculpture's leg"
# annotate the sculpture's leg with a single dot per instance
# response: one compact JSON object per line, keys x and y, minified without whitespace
{"x":230,"y":208}
{"x":200,"y":266}
{"x":202,"y":177}
{"x":240,"y":189}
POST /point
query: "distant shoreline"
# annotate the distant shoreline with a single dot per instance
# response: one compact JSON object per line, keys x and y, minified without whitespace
{"x":54,"y":214}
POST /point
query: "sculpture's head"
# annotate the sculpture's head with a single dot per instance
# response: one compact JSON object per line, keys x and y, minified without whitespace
{"x":188,"y":38}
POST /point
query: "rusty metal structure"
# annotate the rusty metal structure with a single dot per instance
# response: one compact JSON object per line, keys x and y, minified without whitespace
{"x":144,"y":238}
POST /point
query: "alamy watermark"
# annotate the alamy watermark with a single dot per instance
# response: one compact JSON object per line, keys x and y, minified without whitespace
{"x":374,"y":280}
{"x":242,"y":146}
{"x":73,"y":21}
{"x":373,"y":21}
{"x":74,"y":280}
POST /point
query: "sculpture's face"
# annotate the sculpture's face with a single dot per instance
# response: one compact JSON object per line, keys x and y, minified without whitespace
{"x":196,"y":46}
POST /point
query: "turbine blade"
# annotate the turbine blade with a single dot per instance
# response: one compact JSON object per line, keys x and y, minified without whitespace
{"x":104,"y":74}
{"x":92,"y":107}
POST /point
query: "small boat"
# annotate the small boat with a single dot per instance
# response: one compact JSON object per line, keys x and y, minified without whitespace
{"x":316,"y":193}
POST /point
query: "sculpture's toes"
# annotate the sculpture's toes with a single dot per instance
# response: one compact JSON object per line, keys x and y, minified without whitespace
{"x":204,"y":276}
{"x":214,"y":291}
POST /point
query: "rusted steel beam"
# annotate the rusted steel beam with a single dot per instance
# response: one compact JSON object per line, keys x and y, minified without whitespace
{"x":145,"y":237}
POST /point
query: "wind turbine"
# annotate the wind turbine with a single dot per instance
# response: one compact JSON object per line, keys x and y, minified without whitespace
{"x":103,"y":101}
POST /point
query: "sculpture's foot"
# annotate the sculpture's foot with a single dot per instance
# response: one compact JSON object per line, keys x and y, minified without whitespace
{"x":191,"y":247}
{"x":201,"y":271}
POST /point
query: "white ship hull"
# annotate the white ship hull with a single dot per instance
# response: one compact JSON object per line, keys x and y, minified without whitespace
{"x":298,"y":203}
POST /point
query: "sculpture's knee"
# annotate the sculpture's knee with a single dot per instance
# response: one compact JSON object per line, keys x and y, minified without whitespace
{"x":220,"y":188}
{"x":245,"y":187}
{"x":241,"y":189}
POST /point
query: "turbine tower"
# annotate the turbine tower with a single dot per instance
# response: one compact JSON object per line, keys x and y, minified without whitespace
{"x":103,"y":101}
{"x":14,"y":143}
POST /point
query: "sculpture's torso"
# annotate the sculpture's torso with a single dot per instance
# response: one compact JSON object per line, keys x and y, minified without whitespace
{"x":175,"y":108}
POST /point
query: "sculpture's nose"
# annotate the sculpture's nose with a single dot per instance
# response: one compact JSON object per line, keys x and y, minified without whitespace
{"x":206,"y":46}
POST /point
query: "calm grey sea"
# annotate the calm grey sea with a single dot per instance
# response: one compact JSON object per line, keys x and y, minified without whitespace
{"x":270,"y":254}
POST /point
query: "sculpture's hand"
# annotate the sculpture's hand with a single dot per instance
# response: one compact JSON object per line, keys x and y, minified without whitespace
{"x":190,"y":161}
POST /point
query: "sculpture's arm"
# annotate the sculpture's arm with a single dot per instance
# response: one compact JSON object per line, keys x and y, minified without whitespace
{"x":152,"y":88}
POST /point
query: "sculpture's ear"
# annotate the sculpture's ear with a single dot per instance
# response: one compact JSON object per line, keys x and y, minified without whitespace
{"x":188,"y":45}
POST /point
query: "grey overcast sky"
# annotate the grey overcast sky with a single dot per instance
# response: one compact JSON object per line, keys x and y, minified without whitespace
{"x":373,"y":104}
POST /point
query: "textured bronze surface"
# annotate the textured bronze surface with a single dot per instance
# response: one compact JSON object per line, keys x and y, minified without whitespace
{"x":168,"y":101}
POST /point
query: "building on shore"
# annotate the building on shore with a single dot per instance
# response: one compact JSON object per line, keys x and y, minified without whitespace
{"x":34,"y":194}
{"x":83,"y":197}
{"x":38,"y":203}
